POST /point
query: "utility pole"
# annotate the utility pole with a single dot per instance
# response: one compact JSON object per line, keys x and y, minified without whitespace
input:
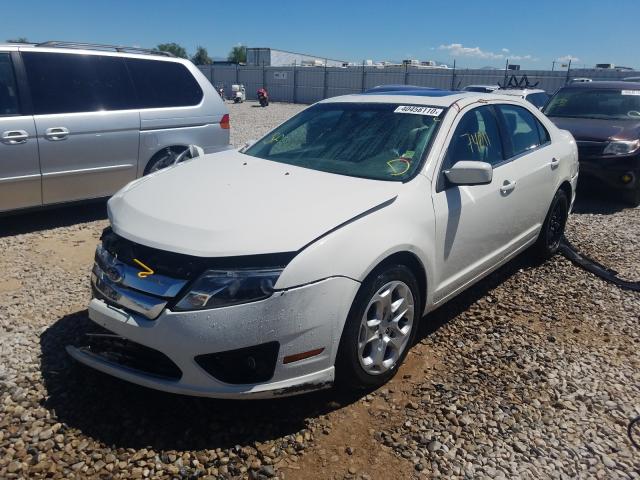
{"x":568,"y":72}
{"x":453,"y":76}
{"x":364,"y":73}
{"x":506,"y":67}
{"x":553,"y":65}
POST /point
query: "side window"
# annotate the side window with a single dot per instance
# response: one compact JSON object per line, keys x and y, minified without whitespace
{"x":163,"y":84}
{"x":521,"y":127}
{"x":8,"y":90}
{"x":477,"y":138}
{"x":70,"y":83}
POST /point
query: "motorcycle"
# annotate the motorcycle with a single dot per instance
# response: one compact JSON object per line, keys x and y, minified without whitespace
{"x":263,"y":97}
{"x":238,"y":93}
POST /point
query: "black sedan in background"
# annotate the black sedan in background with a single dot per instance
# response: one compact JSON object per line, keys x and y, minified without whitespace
{"x":604,"y":118}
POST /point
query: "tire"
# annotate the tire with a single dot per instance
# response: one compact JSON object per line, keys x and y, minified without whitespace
{"x":369,"y":326}
{"x":632,"y":197}
{"x":163,"y":159}
{"x":553,"y":227}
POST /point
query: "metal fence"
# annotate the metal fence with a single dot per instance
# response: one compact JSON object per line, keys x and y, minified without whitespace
{"x":311,"y":84}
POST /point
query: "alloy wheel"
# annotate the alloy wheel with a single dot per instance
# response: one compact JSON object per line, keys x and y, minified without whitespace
{"x":385,"y":328}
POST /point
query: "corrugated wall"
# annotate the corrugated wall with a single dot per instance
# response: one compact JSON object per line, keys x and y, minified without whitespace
{"x":311,"y":84}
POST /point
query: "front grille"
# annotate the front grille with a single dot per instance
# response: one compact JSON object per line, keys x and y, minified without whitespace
{"x":590,"y":149}
{"x":123,"y":352}
{"x":181,"y":266}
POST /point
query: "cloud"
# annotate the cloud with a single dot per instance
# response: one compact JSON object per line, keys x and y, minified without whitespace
{"x":568,"y":58}
{"x":459,"y":50}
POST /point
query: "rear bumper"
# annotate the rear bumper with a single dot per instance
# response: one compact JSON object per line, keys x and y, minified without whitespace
{"x":299,"y":320}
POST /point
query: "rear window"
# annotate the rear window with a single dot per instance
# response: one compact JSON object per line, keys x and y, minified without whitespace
{"x":69,"y":83}
{"x":163,"y":84}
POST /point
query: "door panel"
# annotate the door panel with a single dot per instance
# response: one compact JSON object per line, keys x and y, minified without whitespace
{"x":20,"y":184}
{"x":97,"y":157}
{"x":19,"y":166}
{"x":475,"y":228}
{"x":474,"y":223}
{"x":87,"y":121}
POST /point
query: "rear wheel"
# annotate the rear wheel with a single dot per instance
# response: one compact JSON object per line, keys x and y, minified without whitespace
{"x":380,"y":328}
{"x":553,"y":227}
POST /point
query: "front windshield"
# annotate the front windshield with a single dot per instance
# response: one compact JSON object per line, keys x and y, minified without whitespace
{"x":369,"y":140}
{"x":608,"y":104}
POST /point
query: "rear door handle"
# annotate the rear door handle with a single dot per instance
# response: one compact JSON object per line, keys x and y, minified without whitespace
{"x":56,"y":133}
{"x":507,"y":186}
{"x":554,"y":163}
{"x":14,"y":137}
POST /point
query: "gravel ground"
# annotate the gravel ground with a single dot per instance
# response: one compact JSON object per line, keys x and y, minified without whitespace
{"x":533,"y":373}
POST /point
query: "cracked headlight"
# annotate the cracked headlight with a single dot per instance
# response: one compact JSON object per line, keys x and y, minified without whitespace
{"x":222,"y":288}
{"x":621,"y":147}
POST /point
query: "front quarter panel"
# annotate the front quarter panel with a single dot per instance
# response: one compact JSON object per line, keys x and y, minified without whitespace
{"x":355,"y":249}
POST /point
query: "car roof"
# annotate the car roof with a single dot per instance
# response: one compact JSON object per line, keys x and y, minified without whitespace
{"x":430,"y":97}
{"x":91,"y":49}
{"x":518,"y":91}
{"x":614,"y":85}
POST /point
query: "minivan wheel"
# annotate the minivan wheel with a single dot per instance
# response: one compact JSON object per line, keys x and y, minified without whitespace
{"x":380,"y":328}
{"x":163,"y":159}
{"x":553,"y":227}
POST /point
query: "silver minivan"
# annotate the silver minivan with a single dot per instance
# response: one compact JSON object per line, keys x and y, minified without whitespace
{"x":79,"y":121}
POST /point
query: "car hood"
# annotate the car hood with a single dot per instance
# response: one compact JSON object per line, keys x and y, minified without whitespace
{"x":231,"y":204}
{"x":598,"y":130}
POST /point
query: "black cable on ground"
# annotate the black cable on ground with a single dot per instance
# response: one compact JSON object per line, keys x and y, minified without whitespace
{"x":596,"y":268}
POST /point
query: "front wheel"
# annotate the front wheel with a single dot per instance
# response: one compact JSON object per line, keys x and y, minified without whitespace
{"x":553,"y":227}
{"x":380,"y":328}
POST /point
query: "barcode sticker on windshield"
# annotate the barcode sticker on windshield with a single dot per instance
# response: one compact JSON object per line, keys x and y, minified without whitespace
{"x":630,"y":92}
{"x":430,"y":111}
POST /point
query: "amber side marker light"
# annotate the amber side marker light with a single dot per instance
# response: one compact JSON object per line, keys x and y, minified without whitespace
{"x":626,"y":178}
{"x":301,"y":356}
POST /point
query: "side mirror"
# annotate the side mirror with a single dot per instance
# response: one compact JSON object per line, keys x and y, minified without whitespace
{"x":470,"y":173}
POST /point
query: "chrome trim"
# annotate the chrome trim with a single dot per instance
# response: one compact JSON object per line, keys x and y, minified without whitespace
{"x":150,"y":307}
{"x":158,"y":285}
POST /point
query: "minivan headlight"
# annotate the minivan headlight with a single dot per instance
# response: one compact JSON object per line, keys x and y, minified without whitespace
{"x":621,"y":147}
{"x":222,"y":288}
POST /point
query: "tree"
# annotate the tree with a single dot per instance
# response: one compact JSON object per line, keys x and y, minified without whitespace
{"x":174,"y":48}
{"x":201,"y":57}
{"x":238,"y":54}
{"x":18,"y":40}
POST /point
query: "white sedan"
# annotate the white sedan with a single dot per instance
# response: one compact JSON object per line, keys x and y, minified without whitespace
{"x":308,"y":258}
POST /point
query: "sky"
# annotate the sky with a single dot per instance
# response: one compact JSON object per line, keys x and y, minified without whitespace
{"x":475,"y":34}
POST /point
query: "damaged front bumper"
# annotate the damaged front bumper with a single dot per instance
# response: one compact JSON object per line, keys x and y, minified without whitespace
{"x":254,"y":350}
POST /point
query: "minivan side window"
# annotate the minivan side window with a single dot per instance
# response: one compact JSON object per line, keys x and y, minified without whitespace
{"x":476,"y":137}
{"x":8,"y":90}
{"x":522,"y":128}
{"x":72,"y":83}
{"x":163,"y":84}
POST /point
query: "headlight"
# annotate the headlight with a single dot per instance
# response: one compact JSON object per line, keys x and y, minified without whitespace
{"x":621,"y":147}
{"x":221,"y":288}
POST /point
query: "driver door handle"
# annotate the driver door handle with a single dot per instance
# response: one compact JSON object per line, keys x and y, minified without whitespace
{"x":14,"y":137}
{"x":554,"y":163}
{"x":56,"y":133}
{"x":507,"y":187}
